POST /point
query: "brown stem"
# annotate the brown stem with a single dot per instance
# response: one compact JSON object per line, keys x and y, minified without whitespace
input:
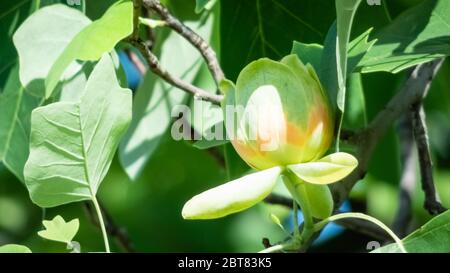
{"x":198,"y":42}
{"x":432,"y":204}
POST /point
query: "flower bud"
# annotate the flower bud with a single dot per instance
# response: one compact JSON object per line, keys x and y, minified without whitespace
{"x":280,"y":114}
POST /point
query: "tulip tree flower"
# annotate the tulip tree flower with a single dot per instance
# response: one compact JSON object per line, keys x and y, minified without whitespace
{"x":283,"y":132}
{"x":285,"y":129}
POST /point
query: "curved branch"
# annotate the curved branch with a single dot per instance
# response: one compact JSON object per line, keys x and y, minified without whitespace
{"x":202,"y":46}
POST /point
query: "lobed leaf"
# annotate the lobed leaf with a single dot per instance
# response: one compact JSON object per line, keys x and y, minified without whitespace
{"x":51,"y":29}
{"x":92,"y":41}
{"x":58,"y":230}
{"x":73,"y":143}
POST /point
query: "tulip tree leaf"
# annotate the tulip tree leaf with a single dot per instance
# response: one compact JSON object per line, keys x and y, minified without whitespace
{"x":73,"y":143}
{"x":358,"y":48}
{"x":58,"y":230}
{"x":15,"y":112}
{"x":232,"y":197}
{"x":420,"y":34}
{"x":308,"y":53}
{"x":431,"y":237}
{"x":12,"y":13}
{"x":345,"y":11}
{"x":266,"y":29}
{"x":92,"y":41}
{"x":51,"y":29}
{"x":326,"y":170}
{"x":13,"y":248}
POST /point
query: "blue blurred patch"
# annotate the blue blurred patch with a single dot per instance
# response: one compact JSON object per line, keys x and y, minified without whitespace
{"x":131,"y":71}
{"x":330,"y":231}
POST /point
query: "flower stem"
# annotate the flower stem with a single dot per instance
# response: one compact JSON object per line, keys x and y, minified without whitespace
{"x":102,"y":224}
{"x":298,"y":191}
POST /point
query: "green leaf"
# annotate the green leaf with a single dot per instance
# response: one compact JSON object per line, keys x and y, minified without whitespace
{"x":92,"y":41}
{"x":51,"y":29}
{"x":419,"y":35}
{"x":308,"y":53}
{"x":320,"y":200}
{"x":345,"y":11}
{"x":355,"y":108}
{"x":155,"y":98}
{"x":200,"y":5}
{"x":358,"y":48}
{"x":12,"y":248}
{"x":12,"y":13}
{"x":252,"y":29}
{"x":431,"y":237}
{"x":232,"y":197}
{"x":73,"y":143}
{"x":15,"y":113}
{"x":58,"y":230}
{"x":326,"y":170}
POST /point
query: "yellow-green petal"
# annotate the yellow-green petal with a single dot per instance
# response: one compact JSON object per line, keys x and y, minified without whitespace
{"x":233,"y":196}
{"x":326,"y":170}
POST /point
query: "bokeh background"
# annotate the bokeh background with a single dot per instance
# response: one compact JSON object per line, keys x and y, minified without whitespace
{"x":149,"y":209}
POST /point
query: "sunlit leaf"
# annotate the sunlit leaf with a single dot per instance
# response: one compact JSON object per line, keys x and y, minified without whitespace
{"x":51,"y":29}
{"x":73,"y":143}
{"x":92,"y":41}
{"x":419,"y":35}
{"x":13,"y":248}
{"x":431,"y":237}
{"x":58,"y":230}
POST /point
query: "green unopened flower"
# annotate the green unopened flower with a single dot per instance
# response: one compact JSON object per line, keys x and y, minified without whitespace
{"x":279,"y":121}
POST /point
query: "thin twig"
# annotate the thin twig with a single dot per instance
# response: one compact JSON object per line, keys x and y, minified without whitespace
{"x":432,"y":203}
{"x":408,"y":178}
{"x":156,"y":68}
{"x":118,"y":233}
{"x":198,"y":42}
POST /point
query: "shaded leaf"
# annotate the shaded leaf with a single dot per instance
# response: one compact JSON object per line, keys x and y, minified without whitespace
{"x":308,"y":53}
{"x":253,"y":29}
{"x":15,"y":112}
{"x":419,"y":35}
